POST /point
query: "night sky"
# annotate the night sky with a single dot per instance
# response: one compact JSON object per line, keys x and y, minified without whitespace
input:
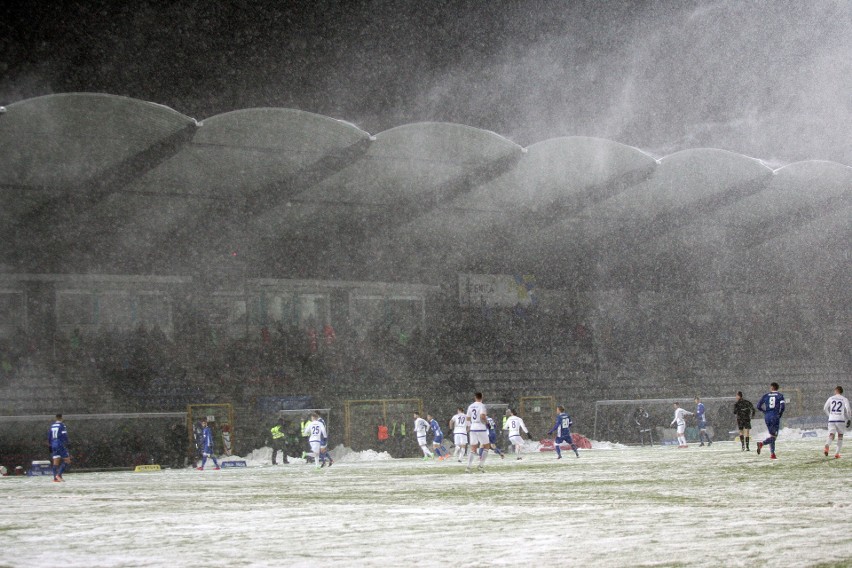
{"x":768,"y":79}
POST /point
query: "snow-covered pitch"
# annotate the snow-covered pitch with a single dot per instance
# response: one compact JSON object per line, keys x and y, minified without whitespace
{"x":613,"y":506}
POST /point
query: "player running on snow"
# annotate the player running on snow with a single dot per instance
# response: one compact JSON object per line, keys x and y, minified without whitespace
{"x":563,"y":432}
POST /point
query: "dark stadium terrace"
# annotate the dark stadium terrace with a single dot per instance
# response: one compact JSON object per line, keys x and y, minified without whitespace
{"x":668,"y":262}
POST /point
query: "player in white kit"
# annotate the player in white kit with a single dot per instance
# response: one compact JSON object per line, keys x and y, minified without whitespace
{"x":679,"y":419}
{"x":458,"y":425}
{"x":514,"y":424}
{"x":477,"y":431}
{"x":839,"y":414}
{"x":316,"y":432}
{"x":421,"y":427}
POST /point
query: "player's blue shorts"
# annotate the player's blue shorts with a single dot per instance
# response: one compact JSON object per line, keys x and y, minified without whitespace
{"x":565,"y":438}
{"x":702,"y":424}
{"x":59,"y":452}
{"x":438,"y":439}
{"x":773,"y":423}
{"x":492,"y":436}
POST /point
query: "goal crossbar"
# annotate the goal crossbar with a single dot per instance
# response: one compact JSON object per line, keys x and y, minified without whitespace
{"x":112,"y":416}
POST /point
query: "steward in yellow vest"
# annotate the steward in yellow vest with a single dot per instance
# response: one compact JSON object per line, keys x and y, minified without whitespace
{"x":278,"y":440}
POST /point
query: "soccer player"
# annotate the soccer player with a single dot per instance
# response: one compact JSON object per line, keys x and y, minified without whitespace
{"x":198,"y":435}
{"x":744,"y":411}
{"x":772,"y":406}
{"x":563,"y":432}
{"x":680,"y":420}
{"x":421,"y":427}
{"x":207,"y":446}
{"x":839,"y":416}
{"x":437,"y":438}
{"x":57,"y":438}
{"x":316,"y":433}
{"x":477,"y":432}
{"x":458,"y":424}
{"x":324,"y":455}
{"x":640,"y":418}
{"x":701,"y":417}
{"x":514,"y":424}
{"x":492,"y":437}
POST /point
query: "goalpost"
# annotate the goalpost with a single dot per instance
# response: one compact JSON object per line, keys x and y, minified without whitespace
{"x":622,"y":421}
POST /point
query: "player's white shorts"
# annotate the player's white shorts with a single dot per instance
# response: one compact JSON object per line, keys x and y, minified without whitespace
{"x":460,"y":438}
{"x":421,"y":440}
{"x":516,"y":440}
{"x":681,"y":427}
{"x":315,"y":446}
{"x":479,"y":437}
{"x":837,"y":428}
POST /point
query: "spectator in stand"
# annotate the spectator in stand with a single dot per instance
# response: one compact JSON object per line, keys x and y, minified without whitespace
{"x":313,"y":339}
{"x":328,"y":335}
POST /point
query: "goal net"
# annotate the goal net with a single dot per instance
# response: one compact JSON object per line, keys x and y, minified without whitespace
{"x":538,"y":413}
{"x":295,"y":421}
{"x":220,"y":420}
{"x":649,"y":420}
{"x":99,"y":441}
{"x":362,"y":419}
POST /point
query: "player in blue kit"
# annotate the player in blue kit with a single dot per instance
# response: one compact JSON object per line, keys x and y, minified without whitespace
{"x":772,"y":406}
{"x":702,"y":423}
{"x":57,"y":438}
{"x":563,"y":432}
{"x":207,"y":446}
{"x":437,"y":438}
{"x":492,"y":437}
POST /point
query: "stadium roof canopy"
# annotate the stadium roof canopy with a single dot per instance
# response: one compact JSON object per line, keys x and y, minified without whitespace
{"x":102,"y":183}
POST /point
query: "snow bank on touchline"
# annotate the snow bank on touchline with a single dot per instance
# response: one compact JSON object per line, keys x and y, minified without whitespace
{"x":263,"y":456}
{"x":607,"y":445}
{"x":344,"y":454}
